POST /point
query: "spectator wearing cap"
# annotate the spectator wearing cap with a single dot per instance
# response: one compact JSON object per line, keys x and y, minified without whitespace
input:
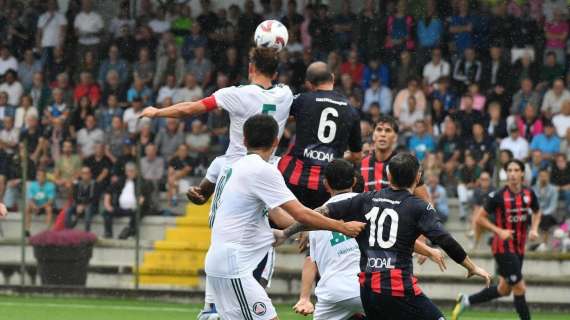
{"x":7,"y":61}
{"x":89,"y":136}
{"x":561,"y":121}
{"x":553,"y":99}
{"x":88,"y":26}
{"x":547,"y":142}
{"x":516,"y":144}
{"x":51,"y":32}
{"x":525,"y":95}
{"x":12,"y":87}
{"x":435,"y":69}
{"x":378,"y":93}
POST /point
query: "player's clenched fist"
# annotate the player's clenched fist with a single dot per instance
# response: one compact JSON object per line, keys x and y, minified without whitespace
{"x":304,"y":307}
{"x":353,"y":228}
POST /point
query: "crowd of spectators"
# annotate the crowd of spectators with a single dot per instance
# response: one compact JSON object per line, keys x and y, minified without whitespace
{"x":472,"y":83}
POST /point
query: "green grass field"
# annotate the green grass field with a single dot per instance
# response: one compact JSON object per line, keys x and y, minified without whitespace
{"x":19,"y":308}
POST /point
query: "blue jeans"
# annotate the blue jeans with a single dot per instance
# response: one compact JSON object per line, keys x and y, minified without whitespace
{"x":565,"y":194}
{"x":71,"y":216}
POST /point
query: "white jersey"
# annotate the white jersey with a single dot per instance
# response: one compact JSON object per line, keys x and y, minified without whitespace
{"x":242,"y":102}
{"x":338,"y":261}
{"x":241,"y":235}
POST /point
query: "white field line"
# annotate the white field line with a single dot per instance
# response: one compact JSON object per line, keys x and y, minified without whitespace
{"x":95,"y":306}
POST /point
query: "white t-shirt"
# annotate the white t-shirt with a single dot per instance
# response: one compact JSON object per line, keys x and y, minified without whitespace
{"x":10,"y":63}
{"x":338,"y":261}
{"x":241,"y":235}
{"x":561,"y":123}
{"x":433,"y":72}
{"x":127,"y":199}
{"x":518,"y":147}
{"x":245,"y":101}
{"x":131,"y":118}
{"x":88,"y":23}
{"x":51,"y":23}
{"x":14,"y":91}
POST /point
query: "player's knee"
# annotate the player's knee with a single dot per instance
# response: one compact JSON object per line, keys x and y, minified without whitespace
{"x":504,"y":289}
{"x":519,"y":289}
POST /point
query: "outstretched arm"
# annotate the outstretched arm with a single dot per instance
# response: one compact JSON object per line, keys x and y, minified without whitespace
{"x":179,"y":110}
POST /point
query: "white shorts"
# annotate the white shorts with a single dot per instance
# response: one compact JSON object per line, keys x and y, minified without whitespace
{"x":341,"y":310}
{"x":267,"y":272}
{"x":241,"y":299}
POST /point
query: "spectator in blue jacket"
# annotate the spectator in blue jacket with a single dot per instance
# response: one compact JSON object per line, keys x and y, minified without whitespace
{"x":547,"y":142}
{"x":421,"y":142}
{"x":375,"y":68}
{"x":378,"y":93}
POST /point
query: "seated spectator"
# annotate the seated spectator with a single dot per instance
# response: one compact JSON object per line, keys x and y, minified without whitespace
{"x":121,"y":200}
{"x":408,"y":117}
{"x":231,"y":64}
{"x":85,"y":200}
{"x":9,"y":136}
{"x":218,"y":126}
{"x":436,"y":117}
{"x":561,"y":179}
{"x":375,"y":69}
{"x":198,"y":140}
{"x":547,"y":195}
{"x":100,"y":165}
{"x":482,"y":190}
{"x":67,"y":167}
{"x":377,"y":93}
{"x":421,"y":142}
{"x":169,"y":139}
{"x":435,"y":69}
{"x":60,"y":65}
{"x":526,"y":95}
{"x":89,"y":136}
{"x":554,"y":98}
{"x":115,"y":137}
{"x":58,"y":109}
{"x":27,"y":68}
{"x":12,"y":87}
{"x":449,"y":149}
{"x":439,"y":197}
{"x":62,"y":83}
{"x":442,"y":93}
{"x":179,"y":169}
{"x":87,"y":88}
{"x":550,"y":71}
{"x":79,"y":115}
{"x":190,"y":92}
{"x":26,"y":108}
{"x":556,"y":33}
{"x":565,"y":144}
{"x":547,"y":142}
{"x":194,"y":40}
{"x":349,"y":88}
{"x":529,"y":124}
{"x":33,"y":138}
{"x":40,"y":93}
{"x":497,"y":71}
{"x":114,"y":62}
{"x":200,"y":66}
{"x":478,"y":100}
{"x":467,"y":117}
{"x":495,"y":125}
{"x":481,"y":147}
{"x":468,"y":174}
{"x":55,"y":135}
{"x":131,"y":116}
{"x":353,"y":67}
{"x":537,"y":163}
{"x":403,"y":71}
{"x":152,"y":166}
{"x":40,"y":199}
{"x":108,"y":112}
{"x":139,"y":91}
{"x":113,"y":86}
{"x":401,"y":101}
{"x":168,"y":90}
{"x":144,"y":67}
{"x":467,"y":70}
{"x":516,"y":143}
{"x":7,"y":60}
{"x":561,"y":121}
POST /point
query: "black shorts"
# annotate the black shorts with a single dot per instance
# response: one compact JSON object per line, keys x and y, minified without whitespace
{"x":385,"y":307}
{"x":547,"y":222}
{"x":309,"y":198}
{"x":509,"y":266}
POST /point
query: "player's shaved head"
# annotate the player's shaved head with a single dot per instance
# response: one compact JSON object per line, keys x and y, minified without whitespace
{"x":318,"y":73}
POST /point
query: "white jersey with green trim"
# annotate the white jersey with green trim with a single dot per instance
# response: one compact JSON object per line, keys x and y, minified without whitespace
{"x":242,"y":102}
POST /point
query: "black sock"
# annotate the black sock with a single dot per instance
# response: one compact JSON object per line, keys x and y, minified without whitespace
{"x":522,"y":307}
{"x":484,"y":295}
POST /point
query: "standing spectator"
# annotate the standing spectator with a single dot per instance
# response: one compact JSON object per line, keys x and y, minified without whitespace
{"x":461,"y":28}
{"x":5,"y":108}
{"x":496,"y":73}
{"x":550,"y":71}
{"x":67,"y":166}
{"x":421,"y":142}
{"x":467,"y":117}
{"x":87,"y":88}
{"x":551,"y":7}
{"x":439,"y":197}
{"x":51,"y":31}
{"x":402,"y":98}
{"x":449,"y":149}
{"x":198,"y":141}
{"x":85,"y":200}
{"x":58,"y":108}
{"x":159,"y":23}
{"x":370,"y":30}
{"x":139,"y":91}
{"x":168,"y":90}
{"x":116,"y":63}
{"x":516,"y":144}
{"x":468,"y":174}
{"x":547,"y":142}
{"x":193,"y":40}
{"x":89,"y":136}
{"x":9,"y":136}
{"x":556,"y":32}
{"x":153,"y":169}
{"x":121,"y":20}
{"x":322,"y":34}
{"x":467,"y":70}
{"x":344,"y":23}
{"x":41,"y":93}
{"x":530,"y":125}
{"x":179,"y":169}
{"x":144,"y":67}
{"x":547,"y":195}
{"x":553,"y":99}
{"x":247,"y":23}
{"x":408,"y":117}
{"x":561,"y":179}
{"x":500,"y":26}
{"x":27,"y":68}
{"x":7,"y":60}
{"x":201,"y":67}
{"x":108,"y":112}
{"x":121,"y":200}
{"x":99,"y":164}
{"x":378,"y":69}
{"x":430,"y":34}
{"x":525,"y":68}
{"x":377,"y":93}
{"x":562,"y":120}
{"x":40,"y":198}
{"x":115,"y":137}
{"x":435,"y":69}
{"x":444,"y":95}
{"x":131,"y":116}
{"x":12,"y":87}
{"x":481,"y":147}
{"x":88,"y":27}
{"x":399,"y":32}
{"x":191,"y":90}
{"x":26,"y":108}
{"x":353,"y":67}
{"x":169,"y":139}
{"x":404,"y":70}
{"x":526,"y":95}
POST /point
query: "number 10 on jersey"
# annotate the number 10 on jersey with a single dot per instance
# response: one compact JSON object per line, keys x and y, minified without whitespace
{"x":377,"y":227}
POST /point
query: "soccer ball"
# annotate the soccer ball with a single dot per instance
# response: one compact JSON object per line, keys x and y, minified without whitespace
{"x":208,"y":316}
{"x":271,"y":34}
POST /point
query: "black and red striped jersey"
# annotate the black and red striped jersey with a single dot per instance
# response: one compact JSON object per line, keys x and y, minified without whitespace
{"x":512,"y":211}
{"x":375,"y":173}
{"x":327,"y":126}
{"x":394,"y":220}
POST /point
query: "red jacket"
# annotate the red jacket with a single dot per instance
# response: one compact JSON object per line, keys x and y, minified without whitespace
{"x":92,"y":91}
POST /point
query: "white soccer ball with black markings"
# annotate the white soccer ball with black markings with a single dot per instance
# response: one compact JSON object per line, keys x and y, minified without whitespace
{"x":209,"y":316}
{"x":271,"y":34}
